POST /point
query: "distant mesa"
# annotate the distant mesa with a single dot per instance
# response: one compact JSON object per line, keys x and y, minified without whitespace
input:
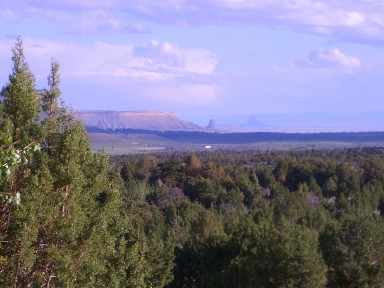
{"x":145,"y":120}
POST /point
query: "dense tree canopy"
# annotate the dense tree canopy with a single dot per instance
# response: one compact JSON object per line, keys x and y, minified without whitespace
{"x":267,"y":218}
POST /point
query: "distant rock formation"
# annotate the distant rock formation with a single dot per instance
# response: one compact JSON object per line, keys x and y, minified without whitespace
{"x":254,"y":122}
{"x":211,"y":124}
{"x":147,"y":120}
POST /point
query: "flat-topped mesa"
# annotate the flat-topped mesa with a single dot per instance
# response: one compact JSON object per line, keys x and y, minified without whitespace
{"x":146,"y":120}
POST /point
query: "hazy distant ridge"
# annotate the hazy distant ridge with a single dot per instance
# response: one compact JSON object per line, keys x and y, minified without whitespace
{"x":147,"y":120}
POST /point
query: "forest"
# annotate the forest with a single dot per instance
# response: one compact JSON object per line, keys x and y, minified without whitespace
{"x":250,"y":137}
{"x":70,"y":217}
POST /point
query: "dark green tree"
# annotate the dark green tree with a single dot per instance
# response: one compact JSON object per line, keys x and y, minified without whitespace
{"x":353,"y":249}
{"x":281,"y":255}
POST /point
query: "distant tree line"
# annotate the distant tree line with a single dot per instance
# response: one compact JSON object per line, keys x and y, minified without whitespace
{"x":197,"y":137}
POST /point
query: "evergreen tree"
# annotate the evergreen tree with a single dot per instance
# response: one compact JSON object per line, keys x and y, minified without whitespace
{"x":266,"y":254}
{"x":20,"y":105}
{"x":68,"y":232}
{"x":19,"y":129}
{"x":353,"y":249}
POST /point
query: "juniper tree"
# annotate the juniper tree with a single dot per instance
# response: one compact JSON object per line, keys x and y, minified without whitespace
{"x":20,"y":106}
{"x":19,"y":129}
{"x":68,"y":231}
{"x":353,"y":248}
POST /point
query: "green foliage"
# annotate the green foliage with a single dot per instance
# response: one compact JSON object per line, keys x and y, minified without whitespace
{"x":353,"y":249}
{"x":156,"y":239}
{"x":253,"y":219}
{"x":68,"y":230}
{"x":275,"y":255}
{"x":20,"y":108}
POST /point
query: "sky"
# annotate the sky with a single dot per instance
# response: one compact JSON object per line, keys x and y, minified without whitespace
{"x":202,"y":59}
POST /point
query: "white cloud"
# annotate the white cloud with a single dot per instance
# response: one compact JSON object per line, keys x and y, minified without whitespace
{"x":157,"y":54}
{"x":360,"y":20}
{"x":155,"y":61}
{"x":333,"y":58}
{"x":165,"y":56}
{"x":73,"y":16}
{"x":326,"y":59}
{"x":353,"y":21}
{"x":156,"y":73}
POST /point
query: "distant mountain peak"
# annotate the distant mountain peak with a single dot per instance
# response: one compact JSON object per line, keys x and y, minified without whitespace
{"x":254,"y":122}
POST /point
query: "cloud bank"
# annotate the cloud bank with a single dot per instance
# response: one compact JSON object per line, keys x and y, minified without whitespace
{"x":156,"y":60}
{"x":358,"y":21}
{"x":158,"y":72}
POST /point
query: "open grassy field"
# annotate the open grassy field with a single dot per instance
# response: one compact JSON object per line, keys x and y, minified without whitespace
{"x":119,"y":144}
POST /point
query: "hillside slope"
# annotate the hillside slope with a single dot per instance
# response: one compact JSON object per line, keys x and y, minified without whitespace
{"x":147,"y":120}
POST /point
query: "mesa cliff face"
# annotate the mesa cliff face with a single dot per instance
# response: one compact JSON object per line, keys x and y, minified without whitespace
{"x":147,"y":120}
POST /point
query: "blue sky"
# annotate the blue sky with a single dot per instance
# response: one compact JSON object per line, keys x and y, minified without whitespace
{"x":202,"y":59}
